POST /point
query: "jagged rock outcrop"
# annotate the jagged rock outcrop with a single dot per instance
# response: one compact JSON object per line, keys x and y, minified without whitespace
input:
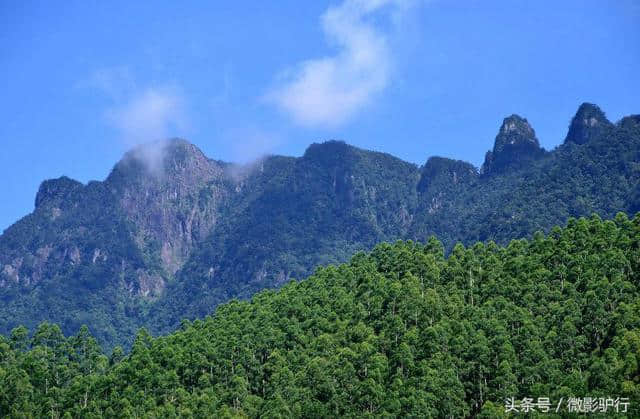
{"x":589,"y":122}
{"x":142,"y":221}
{"x":170,"y":233}
{"x":515,"y":146}
{"x":172,"y":193}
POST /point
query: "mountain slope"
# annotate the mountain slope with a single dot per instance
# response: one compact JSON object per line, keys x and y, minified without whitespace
{"x":99,"y":254}
{"x":172,"y":234}
{"x":600,"y":176}
{"x":399,"y":332}
{"x":308,"y":215}
{"x":292,"y":215}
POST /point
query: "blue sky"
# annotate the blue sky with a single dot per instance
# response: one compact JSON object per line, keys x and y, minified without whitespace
{"x":83,"y":81}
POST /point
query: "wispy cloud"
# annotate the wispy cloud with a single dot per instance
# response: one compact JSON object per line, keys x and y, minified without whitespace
{"x":149,"y":115}
{"x":250,"y":142}
{"x":149,"y":118}
{"x":140,"y":115}
{"x":330,"y":90}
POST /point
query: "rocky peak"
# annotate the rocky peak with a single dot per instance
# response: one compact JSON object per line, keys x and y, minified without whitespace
{"x":172,"y":193}
{"x":170,"y":161}
{"x":185,"y":160}
{"x":515,"y":131}
{"x":56,"y":191}
{"x":515,"y":145}
{"x":589,"y":122}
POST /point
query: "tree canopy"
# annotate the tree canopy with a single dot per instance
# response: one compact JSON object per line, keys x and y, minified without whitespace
{"x":400,"y":331}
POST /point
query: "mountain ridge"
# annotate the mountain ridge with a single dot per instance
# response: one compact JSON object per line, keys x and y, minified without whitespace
{"x":173,"y":234}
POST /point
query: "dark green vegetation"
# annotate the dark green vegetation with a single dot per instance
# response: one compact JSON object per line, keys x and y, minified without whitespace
{"x":401,"y":331}
{"x":156,"y":243}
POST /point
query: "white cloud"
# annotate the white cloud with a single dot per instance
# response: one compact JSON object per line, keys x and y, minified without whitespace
{"x":250,"y":142}
{"x":146,"y":116}
{"x":329,"y":90}
{"x":149,"y":115}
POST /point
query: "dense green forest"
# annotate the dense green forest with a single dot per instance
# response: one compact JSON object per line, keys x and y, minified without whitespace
{"x":148,"y":249}
{"x":401,"y":331}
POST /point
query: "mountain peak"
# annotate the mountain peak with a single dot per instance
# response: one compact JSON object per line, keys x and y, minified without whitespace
{"x":327,"y":147}
{"x":515,"y":145}
{"x":167,"y":160}
{"x":515,"y":130}
{"x":589,"y":122}
{"x":631,"y":121}
{"x":54,"y":190}
{"x":171,"y":192}
{"x":331,"y":152}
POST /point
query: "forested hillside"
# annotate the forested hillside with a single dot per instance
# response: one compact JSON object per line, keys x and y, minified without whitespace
{"x":151,"y":245}
{"x":400,"y":331}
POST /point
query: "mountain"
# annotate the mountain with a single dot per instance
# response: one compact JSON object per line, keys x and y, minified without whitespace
{"x":515,"y":146}
{"x":589,"y":122}
{"x":97,"y":254}
{"x":176,"y":206}
{"x":290,"y":216}
{"x":402,"y":331}
{"x":171,"y":233}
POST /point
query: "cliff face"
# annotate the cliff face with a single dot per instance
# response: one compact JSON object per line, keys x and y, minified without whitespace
{"x":101,"y":252}
{"x":161,"y":208}
{"x":173,"y":203}
{"x":171,"y":233}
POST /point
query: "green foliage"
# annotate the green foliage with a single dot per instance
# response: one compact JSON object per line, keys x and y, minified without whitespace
{"x":93,"y":254}
{"x":401,"y":331}
{"x":295,"y":214}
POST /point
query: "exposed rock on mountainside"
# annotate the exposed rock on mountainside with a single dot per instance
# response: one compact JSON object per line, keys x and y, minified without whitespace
{"x":172,"y":234}
{"x":173,"y":206}
{"x":515,"y":146}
